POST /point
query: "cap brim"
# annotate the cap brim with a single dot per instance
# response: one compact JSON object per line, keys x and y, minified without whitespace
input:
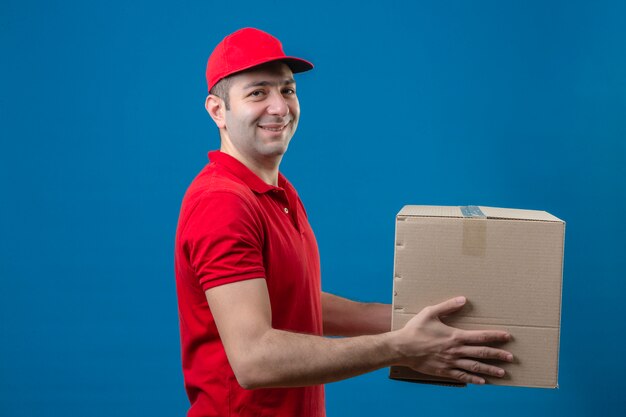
{"x":297,"y":64}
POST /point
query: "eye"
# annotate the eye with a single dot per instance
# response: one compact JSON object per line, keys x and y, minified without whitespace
{"x":289,"y":91}
{"x":257,"y":93}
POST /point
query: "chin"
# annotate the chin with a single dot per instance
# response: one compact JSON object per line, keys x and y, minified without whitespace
{"x":274,"y":149}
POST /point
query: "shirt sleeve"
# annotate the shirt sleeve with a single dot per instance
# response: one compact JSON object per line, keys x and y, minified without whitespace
{"x":224,"y":240}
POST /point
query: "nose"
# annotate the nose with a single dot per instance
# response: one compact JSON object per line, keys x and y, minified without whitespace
{"x":277,"y":105}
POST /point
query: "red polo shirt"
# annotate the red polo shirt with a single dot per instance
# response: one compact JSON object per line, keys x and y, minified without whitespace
{"x":232,"y":227}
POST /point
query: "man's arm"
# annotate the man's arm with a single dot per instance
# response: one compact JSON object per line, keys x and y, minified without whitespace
{"x":265,"y":357}
{"x":343,"y":317}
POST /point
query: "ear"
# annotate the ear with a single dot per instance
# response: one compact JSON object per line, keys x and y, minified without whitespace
{"x":216,"y":108}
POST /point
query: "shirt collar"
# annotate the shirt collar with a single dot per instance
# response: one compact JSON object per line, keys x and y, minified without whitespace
{"x":244,"y":173}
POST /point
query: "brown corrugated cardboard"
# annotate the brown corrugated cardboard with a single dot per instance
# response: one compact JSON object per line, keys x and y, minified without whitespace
{"x":509,"y":265}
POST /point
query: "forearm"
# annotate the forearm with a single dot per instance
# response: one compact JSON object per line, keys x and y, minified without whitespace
{"x":343,"y":317}
{"x":284,"y":359}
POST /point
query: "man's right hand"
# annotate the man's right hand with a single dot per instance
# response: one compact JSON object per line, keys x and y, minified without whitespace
{"x":431,"y":347}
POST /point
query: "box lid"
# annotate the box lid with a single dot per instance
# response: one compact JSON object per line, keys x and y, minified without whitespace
{"x":478,"y":212}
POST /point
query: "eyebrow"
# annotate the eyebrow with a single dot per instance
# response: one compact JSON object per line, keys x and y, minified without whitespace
{"x":269,"y":83}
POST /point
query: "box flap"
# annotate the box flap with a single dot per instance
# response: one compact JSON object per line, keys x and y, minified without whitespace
{"x":430,"y":211}
{"x":477,"y":211}
{"x":518,"y":214}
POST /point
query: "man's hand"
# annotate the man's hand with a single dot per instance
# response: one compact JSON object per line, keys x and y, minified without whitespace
{"x":431,"y":347}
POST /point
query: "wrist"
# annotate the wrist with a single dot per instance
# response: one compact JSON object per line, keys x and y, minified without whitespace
{"x":396,"y":347}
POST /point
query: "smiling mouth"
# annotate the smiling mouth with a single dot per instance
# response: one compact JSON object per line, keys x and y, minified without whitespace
{"x":273,"y":128}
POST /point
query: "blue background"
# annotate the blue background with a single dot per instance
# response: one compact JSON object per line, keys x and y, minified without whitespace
{"x":508,"y":104}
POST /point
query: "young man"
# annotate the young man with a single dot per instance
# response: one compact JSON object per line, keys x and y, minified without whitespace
{"x":252,"y":314}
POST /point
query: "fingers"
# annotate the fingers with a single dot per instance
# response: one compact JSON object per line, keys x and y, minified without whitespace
{"x":470,"y":371}
{"x":476,"y":367}
{"x":481,"y":352}
{"x":447,"y":307}
{"x":465,"y":377}
{"x":483,"y":336}
{"x":465,"y":362}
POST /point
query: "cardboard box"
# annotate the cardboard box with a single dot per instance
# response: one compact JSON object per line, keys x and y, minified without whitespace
{"x":509,"y":265}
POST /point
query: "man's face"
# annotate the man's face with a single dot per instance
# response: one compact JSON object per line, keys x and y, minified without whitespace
{"x":264,"y":112}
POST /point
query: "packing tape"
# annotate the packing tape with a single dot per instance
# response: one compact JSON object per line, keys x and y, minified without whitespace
{"x":474,"y":231}
{"x":472,"y":211}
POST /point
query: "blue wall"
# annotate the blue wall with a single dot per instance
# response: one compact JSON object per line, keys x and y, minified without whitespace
{"x":510,"y":104}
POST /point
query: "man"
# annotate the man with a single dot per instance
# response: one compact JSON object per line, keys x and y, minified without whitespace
{"x":252,"y":314}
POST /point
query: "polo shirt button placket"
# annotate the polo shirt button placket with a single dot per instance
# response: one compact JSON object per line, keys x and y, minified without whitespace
{"x":286,"y":210}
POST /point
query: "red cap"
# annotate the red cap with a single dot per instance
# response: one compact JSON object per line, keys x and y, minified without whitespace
{"x":245,"y":49}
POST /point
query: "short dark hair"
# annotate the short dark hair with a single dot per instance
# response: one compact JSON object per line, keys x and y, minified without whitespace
{"x":221,"y":89}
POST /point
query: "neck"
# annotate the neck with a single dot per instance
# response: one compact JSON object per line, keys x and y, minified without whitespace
{"x":266,"y":168}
